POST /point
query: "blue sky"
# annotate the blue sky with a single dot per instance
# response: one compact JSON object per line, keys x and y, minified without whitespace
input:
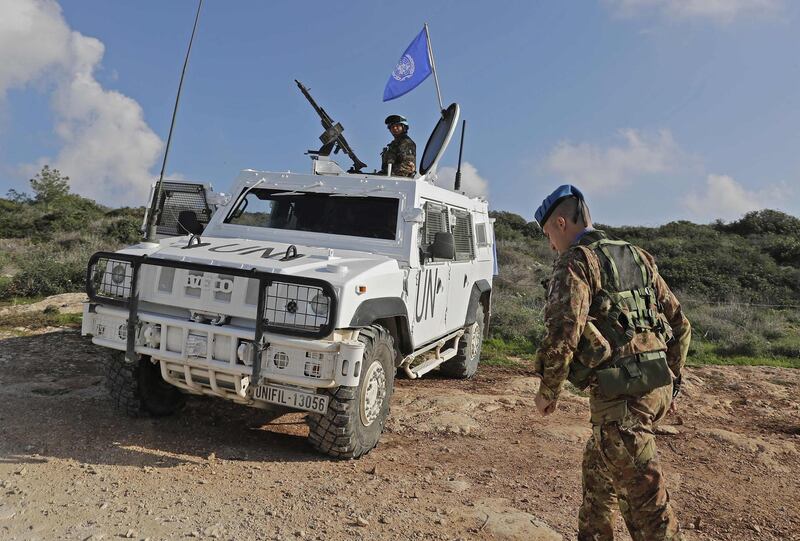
{"x":659,"y":109}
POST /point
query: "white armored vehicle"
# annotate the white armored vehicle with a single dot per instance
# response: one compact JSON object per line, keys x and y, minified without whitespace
{"x":299,"y":292}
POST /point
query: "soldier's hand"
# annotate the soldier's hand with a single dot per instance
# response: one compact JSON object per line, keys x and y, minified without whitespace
{"x":545,"y":406}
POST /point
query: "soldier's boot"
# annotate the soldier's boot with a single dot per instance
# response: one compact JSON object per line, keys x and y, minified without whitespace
{"x":630,"y":456}
{"x":596,"y":515}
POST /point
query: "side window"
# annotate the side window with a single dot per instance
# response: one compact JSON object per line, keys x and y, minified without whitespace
{"x":480,"y":235}
{"x":462,"y":235}
{"x":253,"y":211}
{"x":436,"y":221}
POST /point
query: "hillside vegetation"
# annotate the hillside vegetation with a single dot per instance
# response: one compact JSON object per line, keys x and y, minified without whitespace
{"x":47,"y":238}
{"x":739,"y":281}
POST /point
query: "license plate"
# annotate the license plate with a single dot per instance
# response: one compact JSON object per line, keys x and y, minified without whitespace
{"x":294,"y":399}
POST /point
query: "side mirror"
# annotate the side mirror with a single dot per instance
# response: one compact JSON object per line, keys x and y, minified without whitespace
{"x":188,"y":223}
{"x":443,"y":247}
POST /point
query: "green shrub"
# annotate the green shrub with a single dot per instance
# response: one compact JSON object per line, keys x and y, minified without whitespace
{"x":124,"y":230}
{"x":53,"y":267}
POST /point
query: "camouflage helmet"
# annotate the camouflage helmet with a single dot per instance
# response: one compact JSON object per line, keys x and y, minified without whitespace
{"x":396,"y":119}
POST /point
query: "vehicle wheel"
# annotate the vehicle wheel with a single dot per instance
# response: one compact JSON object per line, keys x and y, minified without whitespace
{"x":356,"y":415}
{"x":465,"y":363}
{"x":138,"y":389}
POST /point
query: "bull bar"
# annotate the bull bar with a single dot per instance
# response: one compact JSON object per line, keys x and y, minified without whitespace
{"x":126,"y":296}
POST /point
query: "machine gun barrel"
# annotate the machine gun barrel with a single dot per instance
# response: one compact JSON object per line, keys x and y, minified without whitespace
{"x":332,"y":139}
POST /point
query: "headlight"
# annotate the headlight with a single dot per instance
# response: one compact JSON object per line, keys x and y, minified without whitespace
{"x":319,"y":304}
{"x":118,"y":273}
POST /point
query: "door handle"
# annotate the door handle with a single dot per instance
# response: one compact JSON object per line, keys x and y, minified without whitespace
{"x":465,"y":281}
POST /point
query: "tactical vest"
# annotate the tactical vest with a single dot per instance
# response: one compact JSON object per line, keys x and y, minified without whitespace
{"x":625,"y":306}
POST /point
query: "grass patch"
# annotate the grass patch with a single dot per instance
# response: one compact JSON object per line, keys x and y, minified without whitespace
{"x":18,"y":301}
{"x":507,"y":353}
{"x":502,"y":362}
{"x":703,"y":353}
{"x":517,"y":348}
{"x":38,"y":320}
{"x":711,"y":359}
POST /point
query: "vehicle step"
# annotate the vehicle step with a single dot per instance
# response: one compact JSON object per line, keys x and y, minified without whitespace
{"x":426,"y":366}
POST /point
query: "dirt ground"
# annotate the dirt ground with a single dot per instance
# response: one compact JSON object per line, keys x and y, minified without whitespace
{"x":459,"y":460}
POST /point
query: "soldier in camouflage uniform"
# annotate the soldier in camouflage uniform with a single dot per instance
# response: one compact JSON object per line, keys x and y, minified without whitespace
{"x":401,"y":152}
{"x":612,"y":326}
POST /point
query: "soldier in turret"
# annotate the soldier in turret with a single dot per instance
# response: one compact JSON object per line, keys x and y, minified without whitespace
{"x":401,"y":152}
{"x":612,"y":325}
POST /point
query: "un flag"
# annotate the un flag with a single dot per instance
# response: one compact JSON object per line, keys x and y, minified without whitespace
{"x":412,"y":68}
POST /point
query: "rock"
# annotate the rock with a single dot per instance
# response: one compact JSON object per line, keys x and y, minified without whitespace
{"x":373,"y":470}
{"x":361,"y":521}
{"x":212,"y":531}
{"x":7,"y":513}
{"x":457,"y":486}
{"x":666,"y":430}
{"x":130,"y":534}
{"x":500,"y":521}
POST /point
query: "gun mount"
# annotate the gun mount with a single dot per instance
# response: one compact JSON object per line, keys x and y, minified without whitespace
{"x":332,"y":138}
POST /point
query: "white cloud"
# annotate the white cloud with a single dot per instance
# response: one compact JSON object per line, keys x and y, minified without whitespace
{"x":724,"y":198}
{"x":108,"y":148}
{"x":722,"y":11}
{"x":595,"y":168}
{"x":471,"y":182}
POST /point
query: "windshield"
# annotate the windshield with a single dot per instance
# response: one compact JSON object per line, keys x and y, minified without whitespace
{"x":372,"y":217}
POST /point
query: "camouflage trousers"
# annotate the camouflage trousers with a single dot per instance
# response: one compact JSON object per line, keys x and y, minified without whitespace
{"x":620,"y":468}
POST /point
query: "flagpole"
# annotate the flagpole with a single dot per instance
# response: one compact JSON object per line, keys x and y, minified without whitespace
{"x":433,"y":68}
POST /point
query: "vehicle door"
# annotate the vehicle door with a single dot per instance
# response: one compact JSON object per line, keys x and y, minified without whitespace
{"x":427,"y":284}
{"x":462,"y":269}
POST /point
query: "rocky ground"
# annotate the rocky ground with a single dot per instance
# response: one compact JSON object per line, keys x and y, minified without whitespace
{"x":460,"y":459}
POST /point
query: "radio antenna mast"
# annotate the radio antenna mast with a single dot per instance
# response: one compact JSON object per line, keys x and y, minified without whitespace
{"x":457,"y":186}
{"x":154,"y":211}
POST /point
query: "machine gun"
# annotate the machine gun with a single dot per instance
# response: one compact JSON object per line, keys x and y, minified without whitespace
{"x":332,"y":138}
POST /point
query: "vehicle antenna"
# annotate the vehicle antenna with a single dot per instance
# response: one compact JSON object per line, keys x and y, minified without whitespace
{"x":460,"y":152}
{"x":154,"y":211}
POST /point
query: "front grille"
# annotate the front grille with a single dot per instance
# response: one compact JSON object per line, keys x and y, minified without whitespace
{"x":291,"y":305}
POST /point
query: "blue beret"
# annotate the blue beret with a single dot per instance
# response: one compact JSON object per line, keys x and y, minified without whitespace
{"x":551,"y":201}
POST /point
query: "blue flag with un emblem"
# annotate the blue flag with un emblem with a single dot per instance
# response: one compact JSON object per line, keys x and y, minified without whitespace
{"x":412,"y":68}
